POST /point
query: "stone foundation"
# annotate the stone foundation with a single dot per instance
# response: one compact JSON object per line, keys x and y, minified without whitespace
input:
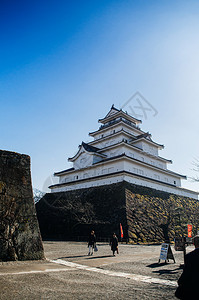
{"x":20,"y":237}
{"x":147,"y":215}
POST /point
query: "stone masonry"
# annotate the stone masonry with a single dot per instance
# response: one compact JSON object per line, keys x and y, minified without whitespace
{"x":20,"y":237}
{"x":147,"y":215}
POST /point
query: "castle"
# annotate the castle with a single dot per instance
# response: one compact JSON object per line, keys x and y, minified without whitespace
{"x":120,"y":151}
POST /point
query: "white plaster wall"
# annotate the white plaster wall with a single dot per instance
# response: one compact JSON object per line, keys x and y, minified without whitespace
{"x":115,"y":151}
{"x":158,"y":186}
{"x":97,"y":170}
{"x":85,"y":159}
{"x":99,"y":182}
{"x":107,"y":132}
{"x":133,"y":180}
{"x":124,"y":148}
{"x":149,"y":148}
{"x":143,"y":170}
{"x":138,"y":144}
{"x":120,"y":165}
{"x":145,"y":158}
{"x":111,"y":140}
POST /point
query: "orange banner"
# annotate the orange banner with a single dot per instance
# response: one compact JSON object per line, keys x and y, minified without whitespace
{"x":121,"y":230}
{"x":189,"y":229}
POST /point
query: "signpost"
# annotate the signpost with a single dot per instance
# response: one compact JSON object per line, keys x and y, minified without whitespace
{"x":166,"y":253}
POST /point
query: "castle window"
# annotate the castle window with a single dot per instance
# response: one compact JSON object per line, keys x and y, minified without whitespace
{"x":110,"y":170}
{"x":141,"y":172}
{"x":135,"y":170}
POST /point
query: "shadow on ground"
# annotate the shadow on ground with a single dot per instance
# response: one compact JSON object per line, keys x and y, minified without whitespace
{"x":86,"y":256}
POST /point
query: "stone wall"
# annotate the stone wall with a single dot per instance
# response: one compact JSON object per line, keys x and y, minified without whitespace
{"x":20,"y":237}
{"x":70,"y":214}
{"x":155,"y":216}
{"x":147,"y":215}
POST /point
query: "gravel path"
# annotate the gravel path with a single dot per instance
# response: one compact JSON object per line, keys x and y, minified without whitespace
{"x":47,"y":280}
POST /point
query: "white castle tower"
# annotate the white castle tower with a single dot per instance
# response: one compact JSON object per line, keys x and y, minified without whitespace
{"x":120,"y":151}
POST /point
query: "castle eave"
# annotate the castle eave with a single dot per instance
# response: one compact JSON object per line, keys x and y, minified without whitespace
{"x":123,"y":155}
{"x":119,"y":113}
{"x":87,"y":148}
{"x":64,"y":171}
{"x":104,"y":127}
{"x":90,"y":179}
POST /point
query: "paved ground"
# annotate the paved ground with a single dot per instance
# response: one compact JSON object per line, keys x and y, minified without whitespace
{"x":69,"y":273}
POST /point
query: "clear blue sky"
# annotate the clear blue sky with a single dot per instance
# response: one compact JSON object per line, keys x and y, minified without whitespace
{"x":64,"y":63}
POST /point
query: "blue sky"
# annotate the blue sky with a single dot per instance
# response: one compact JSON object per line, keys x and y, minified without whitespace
{"x":64,"y":63}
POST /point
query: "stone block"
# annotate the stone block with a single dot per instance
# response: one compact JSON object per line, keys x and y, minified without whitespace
{"x":20,"y":237}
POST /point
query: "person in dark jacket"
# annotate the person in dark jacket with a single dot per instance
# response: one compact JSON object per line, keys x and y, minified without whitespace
{"x":188,"y":283}
{"x":91,"y":242}
{"x":114,"y":244}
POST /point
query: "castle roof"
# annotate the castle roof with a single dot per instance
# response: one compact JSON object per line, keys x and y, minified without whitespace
{"x":64,"y":171}
{"x":114,"y":122}
{"x":115,"y":113}
{"x":146,"y":137}
{"x":88,"y":148}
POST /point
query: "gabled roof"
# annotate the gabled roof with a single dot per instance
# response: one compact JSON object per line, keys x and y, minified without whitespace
{"x":112,"y":111}
{"x":147,"y":137}
{"x":115,"y":113}
{"x":88,"y":148}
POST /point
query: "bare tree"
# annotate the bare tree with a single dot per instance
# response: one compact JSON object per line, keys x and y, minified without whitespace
{"x":37,"y":195}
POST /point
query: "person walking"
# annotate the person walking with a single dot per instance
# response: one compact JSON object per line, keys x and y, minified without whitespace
{"x":114,"y":244}
{"x":91,"y":242}
{"x":188,"y":282}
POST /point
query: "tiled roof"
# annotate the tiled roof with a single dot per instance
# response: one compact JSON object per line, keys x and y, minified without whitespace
{"x":64,"y":171}
{"x":90,"y":148}
{"x":144,"y":135}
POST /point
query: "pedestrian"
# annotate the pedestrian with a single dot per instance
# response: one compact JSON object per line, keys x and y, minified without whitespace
{"x":188,"y":283}
{"x":91,"y":242}
{"x":114,"y":244}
